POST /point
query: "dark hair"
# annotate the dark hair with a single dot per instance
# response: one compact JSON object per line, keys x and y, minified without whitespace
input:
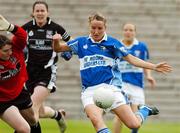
{"x":97,"y":16}
{"x":40,"y":2}
{"x":4,"y":41}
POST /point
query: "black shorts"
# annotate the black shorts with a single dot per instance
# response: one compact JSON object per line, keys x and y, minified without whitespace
{"x":38,"y":75}
{"x":23,"y":101}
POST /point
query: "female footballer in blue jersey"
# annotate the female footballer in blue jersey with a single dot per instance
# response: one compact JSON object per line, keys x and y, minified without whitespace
{"x":133,"y":77}
{"x":97,"y":55}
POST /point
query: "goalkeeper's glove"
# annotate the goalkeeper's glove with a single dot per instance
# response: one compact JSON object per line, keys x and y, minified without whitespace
{"x":5,"y":25}
{"x":66,"y":55}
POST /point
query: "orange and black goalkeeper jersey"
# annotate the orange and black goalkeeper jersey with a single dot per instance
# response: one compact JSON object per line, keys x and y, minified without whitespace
{"x":13,"y":73}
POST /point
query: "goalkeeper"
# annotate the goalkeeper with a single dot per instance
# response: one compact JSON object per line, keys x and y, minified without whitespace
{"x":15,"y":102}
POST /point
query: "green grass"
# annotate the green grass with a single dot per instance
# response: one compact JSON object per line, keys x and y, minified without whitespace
{"x":78,"y":126}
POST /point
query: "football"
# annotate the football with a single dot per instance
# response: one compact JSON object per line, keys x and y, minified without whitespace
{"x":103,"y":97}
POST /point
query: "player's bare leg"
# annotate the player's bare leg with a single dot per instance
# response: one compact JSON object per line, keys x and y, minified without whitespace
{"x":38,"y":97}
{"x":16,"y":120}
{"x":95,"y":114}
{"x":134,"y":108}
{"x":131,"y":120}
{"x":41,"y":111}
{"x":28,"y":116}
{"x":117,"y":125}
{"x":126,"y":115}
{"x":59,"y":115}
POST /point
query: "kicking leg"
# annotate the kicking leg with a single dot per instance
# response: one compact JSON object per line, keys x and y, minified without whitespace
{"x":132,"y":120}
{"x":126,"y":115}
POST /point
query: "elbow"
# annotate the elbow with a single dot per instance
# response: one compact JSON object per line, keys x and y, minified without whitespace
{"x":60,"y":48}
{"x":57,"y":50}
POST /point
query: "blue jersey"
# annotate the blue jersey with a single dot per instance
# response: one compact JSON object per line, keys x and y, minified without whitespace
{"x":97,"y":60}
{"x":132,"y":74}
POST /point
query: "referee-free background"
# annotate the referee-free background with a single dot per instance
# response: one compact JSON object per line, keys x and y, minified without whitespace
{"x":158,"y":25}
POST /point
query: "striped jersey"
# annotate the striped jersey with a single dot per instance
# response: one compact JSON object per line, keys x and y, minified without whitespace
{"x":39,"y":45}
{"x":132,"y":74}
{"x":97,"y":60}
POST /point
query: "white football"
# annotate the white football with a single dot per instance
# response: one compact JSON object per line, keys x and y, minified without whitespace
{"x":103,"y":97}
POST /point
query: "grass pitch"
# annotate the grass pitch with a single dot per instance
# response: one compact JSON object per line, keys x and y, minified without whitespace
{"x":79,"y":126}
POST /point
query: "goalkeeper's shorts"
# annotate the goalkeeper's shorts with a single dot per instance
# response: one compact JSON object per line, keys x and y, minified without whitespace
{"x":23,"y":101}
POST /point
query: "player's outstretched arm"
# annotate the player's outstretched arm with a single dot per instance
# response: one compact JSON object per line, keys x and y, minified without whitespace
{"x":162,"y":67}
{"x":59,"y":45}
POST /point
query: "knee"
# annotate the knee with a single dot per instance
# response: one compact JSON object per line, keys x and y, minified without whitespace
{"x":134,"y":125}
{"x":23,"y":129}
{"x":42,"y":112}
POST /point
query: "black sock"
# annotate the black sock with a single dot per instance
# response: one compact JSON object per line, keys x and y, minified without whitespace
{"x":36,"y":128}
{"x":57,"y":115}
{"x":135,"y":130}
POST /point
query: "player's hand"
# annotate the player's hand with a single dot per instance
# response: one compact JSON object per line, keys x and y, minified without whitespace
{"x":57,"y":37}
{"x":163,"y":67}
{"x":5,"y":25}
{"x":66,"y":55}
{"x":58,"y":44}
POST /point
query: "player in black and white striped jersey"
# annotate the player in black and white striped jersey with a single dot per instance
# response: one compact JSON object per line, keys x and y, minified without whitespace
{"x":42,"y":61}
